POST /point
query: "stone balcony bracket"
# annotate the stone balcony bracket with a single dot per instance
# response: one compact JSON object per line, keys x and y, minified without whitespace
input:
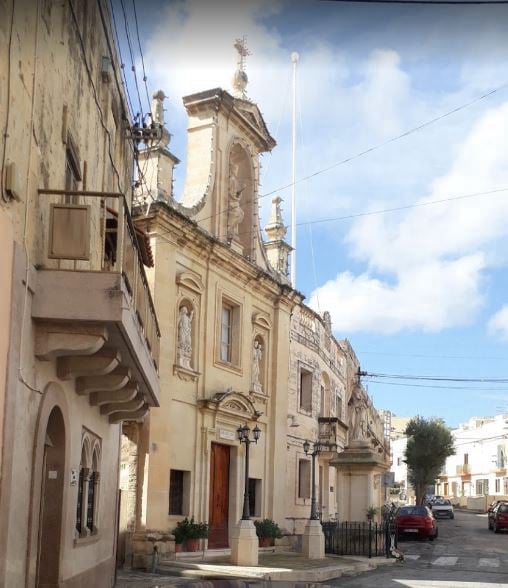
{"x":115,"y":380}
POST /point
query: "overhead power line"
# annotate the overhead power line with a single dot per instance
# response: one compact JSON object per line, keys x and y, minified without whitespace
{"x":392,"y":140}
{"x":434,"y":378}
{"x":439,"y":386}
{"x":422,"y":2}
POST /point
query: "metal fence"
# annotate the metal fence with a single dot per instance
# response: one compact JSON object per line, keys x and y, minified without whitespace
{"x":355,"y":538}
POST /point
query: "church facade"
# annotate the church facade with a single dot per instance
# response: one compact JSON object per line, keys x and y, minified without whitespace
{"x":239,"y":347}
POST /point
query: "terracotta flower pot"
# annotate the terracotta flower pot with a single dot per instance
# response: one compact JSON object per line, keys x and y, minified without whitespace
{"x":266,"y":542}
{"x":192,"y":544}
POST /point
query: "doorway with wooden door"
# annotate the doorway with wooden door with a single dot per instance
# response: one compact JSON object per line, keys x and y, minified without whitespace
{"x":50,"y":518}
{"x":219,"y":496}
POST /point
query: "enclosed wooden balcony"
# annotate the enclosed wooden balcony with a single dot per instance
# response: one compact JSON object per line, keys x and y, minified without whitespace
{"x":92,"y":304}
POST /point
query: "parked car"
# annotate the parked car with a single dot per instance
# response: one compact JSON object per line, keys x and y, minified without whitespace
{"x":443,"y":508}
{"x":430,"y":499}
{"x":416,"y":521}
{"x":498,"y":517}
{"x":493,"y":505}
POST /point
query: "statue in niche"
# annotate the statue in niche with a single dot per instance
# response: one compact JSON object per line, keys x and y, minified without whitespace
{"x":235,"y":212}
{"x":257,"y":355}
{"x":358,"y":416}
{"x":184,"y":344}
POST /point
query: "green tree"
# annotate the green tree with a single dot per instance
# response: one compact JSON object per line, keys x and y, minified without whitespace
{"x":429,"y":444}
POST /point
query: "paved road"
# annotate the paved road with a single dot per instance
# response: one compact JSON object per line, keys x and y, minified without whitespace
{"x":465,"y":555}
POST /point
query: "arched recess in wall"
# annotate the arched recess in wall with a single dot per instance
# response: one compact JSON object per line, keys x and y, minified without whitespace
{"x":325,"y":404}
{"x":49,"y":488}
{"x":241,"y":179}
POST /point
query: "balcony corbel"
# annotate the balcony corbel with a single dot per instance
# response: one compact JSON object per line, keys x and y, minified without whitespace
{"x":125,"y":394}
{"x":115,"y":380}
{"x":102,"y":362}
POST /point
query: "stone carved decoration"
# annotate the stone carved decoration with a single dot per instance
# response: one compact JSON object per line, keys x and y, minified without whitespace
{"x":184,"y":343}
{"x":235,"y":212}
{"x":158,"y":107}
{"x":231,"y":402}
{"x":257,"y":355}
{"x":358,"y":416}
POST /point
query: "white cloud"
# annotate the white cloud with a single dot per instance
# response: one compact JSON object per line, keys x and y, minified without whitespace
{"x":435,"y":256}
{"x":427,"y":297}
{"x":498,"y":323}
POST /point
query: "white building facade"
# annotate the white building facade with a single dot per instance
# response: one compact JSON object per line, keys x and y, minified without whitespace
{"x":478,"y":472}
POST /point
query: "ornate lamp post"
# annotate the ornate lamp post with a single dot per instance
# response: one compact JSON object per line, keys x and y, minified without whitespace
{"x":316,"y":450}
{"x":244,"y":437}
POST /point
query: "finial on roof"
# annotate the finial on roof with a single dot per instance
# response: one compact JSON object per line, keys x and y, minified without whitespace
{"x":240,"y":79}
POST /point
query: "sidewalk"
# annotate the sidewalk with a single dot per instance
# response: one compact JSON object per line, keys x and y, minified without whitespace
{"x":285,"y":567}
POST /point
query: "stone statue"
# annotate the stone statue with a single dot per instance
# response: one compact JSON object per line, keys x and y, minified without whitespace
{"x":257,"y":354}
{"x":358,"y":416}
{"x":184,"y":344}
{"x":235,"y":212}
{"x":158,"y":107}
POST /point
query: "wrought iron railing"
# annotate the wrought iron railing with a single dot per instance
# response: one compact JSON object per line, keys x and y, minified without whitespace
{"x":360,"y":538}
{"x":94,"y":232}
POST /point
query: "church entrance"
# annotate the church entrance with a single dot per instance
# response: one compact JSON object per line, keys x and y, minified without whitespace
{"x":50,"y":518}
{"x":219,"y":496}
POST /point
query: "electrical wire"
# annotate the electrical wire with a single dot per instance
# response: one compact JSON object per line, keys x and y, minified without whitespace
{"x":388,"y":141}
{"x":367,"y":151}
{"x":122,"y":64}
{"x":477,"y":388}
{"x":422,"y":2}
{"x":131,"y":53}
{"x":141,"y":54}
{"x":8,"y":102}
{"x":475,"y":357}
{"x":95,"y":96}
{"x":433,"y":378}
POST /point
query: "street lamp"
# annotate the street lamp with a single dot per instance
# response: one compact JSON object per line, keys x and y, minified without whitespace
{"x":244,"y":437}
{"x":315,"y":452}
{"x":318,"y":447}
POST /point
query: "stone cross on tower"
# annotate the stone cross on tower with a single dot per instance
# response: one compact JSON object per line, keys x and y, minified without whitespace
{"x":240,"y":79}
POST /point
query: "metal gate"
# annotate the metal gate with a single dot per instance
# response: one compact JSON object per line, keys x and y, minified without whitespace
{"x":359,"y":538}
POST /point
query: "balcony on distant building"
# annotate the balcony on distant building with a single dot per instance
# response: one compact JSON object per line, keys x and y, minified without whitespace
{"x":331,"y":431}
{"x":92,"y":305}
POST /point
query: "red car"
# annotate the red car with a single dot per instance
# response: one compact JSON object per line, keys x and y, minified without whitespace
{"x":498,"y":517}
{"x":416,"y":521}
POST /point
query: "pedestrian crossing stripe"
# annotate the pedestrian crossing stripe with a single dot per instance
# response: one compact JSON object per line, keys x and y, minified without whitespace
{"x":484,"y":562}
{"x":445,"y":561}
{"x":488,"y":562}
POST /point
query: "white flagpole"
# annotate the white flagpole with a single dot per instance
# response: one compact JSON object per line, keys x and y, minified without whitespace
{"x":294,"y":59}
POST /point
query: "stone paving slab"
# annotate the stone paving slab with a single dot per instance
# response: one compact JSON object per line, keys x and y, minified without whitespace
{"x":275,"y":567}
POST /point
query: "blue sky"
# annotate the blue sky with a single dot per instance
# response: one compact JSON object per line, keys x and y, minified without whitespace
{"x":420,"y":291}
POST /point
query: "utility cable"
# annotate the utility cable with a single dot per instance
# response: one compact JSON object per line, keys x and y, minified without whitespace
{"x":422,"y":2}
{"x":141,"y":54}
{"x":131,"y":53}
{"x":388,"y":141}
{"x":433,"y":378}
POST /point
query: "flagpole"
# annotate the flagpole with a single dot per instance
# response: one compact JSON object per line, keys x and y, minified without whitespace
{"x":294,"y":59}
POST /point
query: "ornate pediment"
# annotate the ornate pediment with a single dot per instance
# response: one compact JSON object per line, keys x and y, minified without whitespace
{"x":191,"y":281}
{"x":233,"y":403}
{"x":262,"y":320}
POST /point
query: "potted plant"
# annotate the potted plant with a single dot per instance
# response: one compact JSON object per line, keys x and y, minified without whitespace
{"x":195,"y":532}
{"x":179,"y":535}
{"x":267,"y":531}
{"x":371,"y":512}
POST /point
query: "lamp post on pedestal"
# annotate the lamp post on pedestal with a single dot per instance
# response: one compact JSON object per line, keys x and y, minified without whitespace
{"x":316,"y":450}
{"x":244,"y":541}
{"x":244,"y":437}
{"x":313,"y":538}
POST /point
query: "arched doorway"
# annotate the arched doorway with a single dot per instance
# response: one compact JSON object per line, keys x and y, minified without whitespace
{"x":52,"y":485}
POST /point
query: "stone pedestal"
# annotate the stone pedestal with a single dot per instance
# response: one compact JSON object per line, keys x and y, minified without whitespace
{"x":244,"y":544}
{"x":313,"y":540}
